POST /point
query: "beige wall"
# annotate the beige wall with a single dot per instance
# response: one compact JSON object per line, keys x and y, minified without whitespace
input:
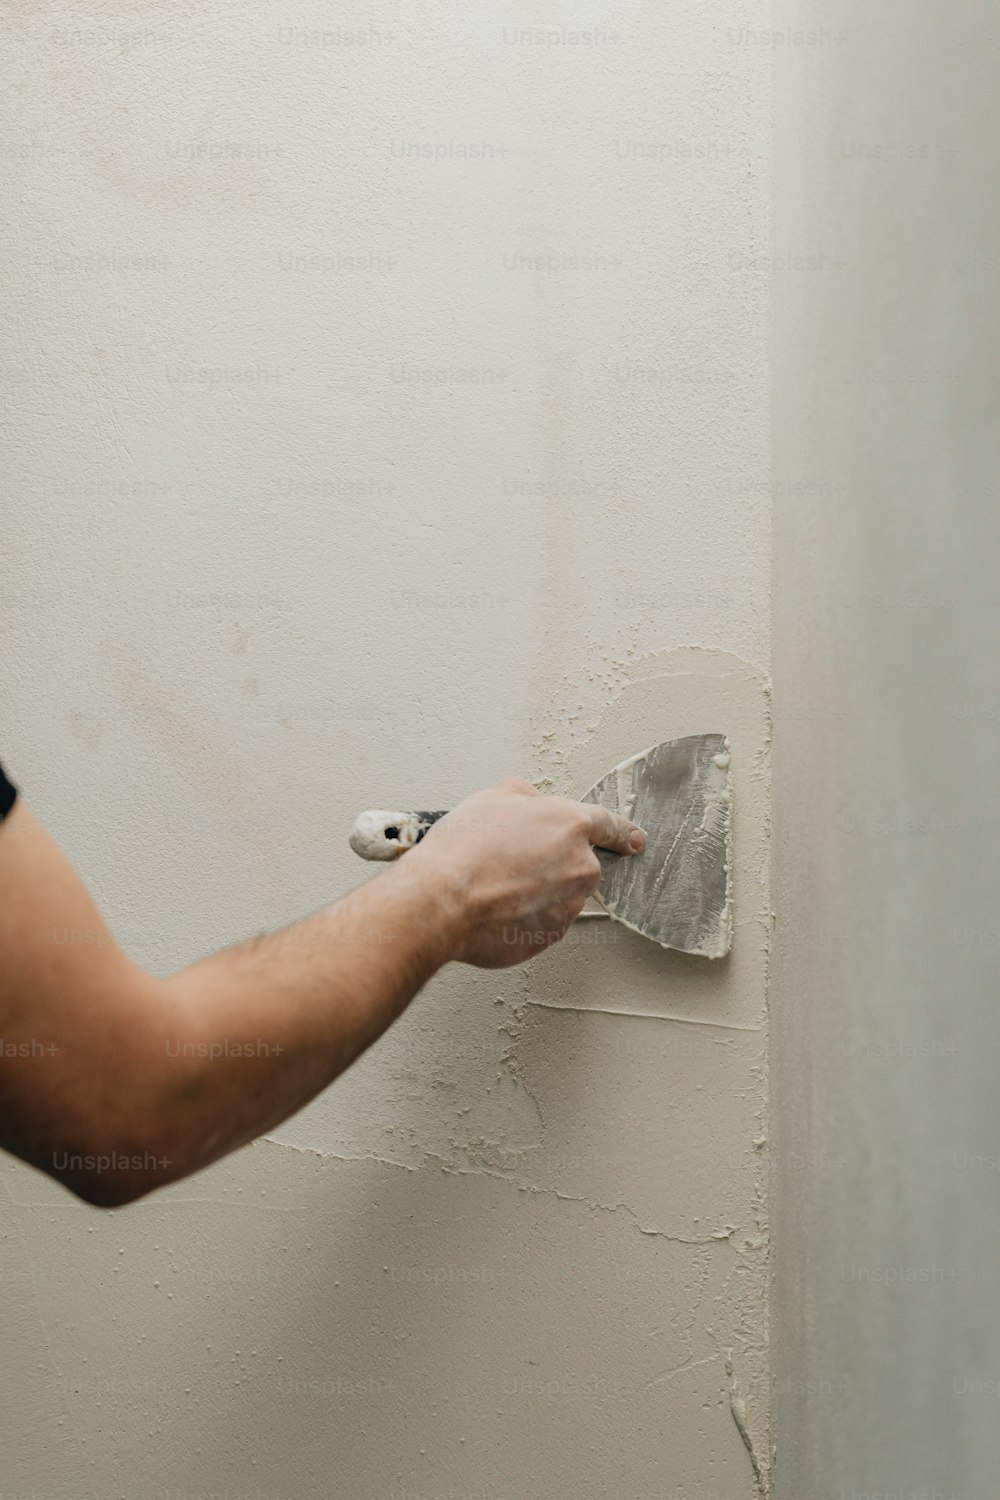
{"x":327,"y":490}
{"x":887,"y":452}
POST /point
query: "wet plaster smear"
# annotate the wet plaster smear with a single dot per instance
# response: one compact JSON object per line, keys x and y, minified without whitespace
{"x":389,"y":416}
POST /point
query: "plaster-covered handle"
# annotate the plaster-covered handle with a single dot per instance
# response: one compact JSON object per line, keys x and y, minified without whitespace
{"x":384,"y":834}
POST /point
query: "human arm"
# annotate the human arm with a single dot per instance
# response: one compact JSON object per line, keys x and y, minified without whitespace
{"x":117,"y":1082}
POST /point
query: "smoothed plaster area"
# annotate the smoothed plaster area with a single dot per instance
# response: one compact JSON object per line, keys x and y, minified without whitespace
{"x":611,"y":1072}
{"x":666,"y":695}
{"x":421,"y":1330}
{"x":359,"y":468}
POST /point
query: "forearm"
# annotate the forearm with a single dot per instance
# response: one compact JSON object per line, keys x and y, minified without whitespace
{"x":263,"y":1027}
{"x":115,"y":1082}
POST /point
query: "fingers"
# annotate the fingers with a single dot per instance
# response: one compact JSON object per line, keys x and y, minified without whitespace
{"x":595,"y":876}
{"x":605,"y":829}
{"x":610,"y":831}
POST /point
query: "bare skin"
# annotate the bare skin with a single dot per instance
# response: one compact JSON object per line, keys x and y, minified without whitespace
{"x":116,"y":1082}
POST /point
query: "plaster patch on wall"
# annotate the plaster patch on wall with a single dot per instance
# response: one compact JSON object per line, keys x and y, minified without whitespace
{"x":660,"y":1058}
{"x":665,"y":696}
{"x":609,"y":1073}
{"x":525,"y":1229}
{"x":738,"y":1406}
{"x":632,"y":1080}
{"x":346,"y":1313}
{"x":444,"y":1079}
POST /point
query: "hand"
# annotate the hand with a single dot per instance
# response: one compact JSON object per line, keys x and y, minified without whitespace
{"x":519,"y":867}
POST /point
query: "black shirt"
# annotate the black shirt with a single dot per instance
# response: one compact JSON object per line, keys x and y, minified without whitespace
{"x":7,"y":795}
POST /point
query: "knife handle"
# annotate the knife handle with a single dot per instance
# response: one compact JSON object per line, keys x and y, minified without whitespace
{"x":384,"y":834}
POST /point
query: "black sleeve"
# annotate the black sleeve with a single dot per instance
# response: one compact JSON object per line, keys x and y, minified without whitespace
{"x":7,"y":795}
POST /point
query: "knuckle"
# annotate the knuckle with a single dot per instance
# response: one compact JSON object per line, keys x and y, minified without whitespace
{"x":609,"y":827}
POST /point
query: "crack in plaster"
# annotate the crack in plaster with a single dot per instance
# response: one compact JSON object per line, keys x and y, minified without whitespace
{"x":738,"y":1407}
{"x":642,"y":1015}
{"x":717,"y":1236}
{"x":329,"y":1156}
{"x":689,"y":1364}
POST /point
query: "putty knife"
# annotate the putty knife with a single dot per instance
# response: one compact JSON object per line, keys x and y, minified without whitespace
{"x":678,"y":890}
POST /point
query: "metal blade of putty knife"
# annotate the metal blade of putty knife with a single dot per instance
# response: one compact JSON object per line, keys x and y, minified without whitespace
{"x":679,"y":890}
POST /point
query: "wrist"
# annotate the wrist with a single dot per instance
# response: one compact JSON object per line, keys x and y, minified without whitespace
{"x":436,"y":906}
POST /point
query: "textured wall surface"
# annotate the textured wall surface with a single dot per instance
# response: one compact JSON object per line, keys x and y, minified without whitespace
{"x":887,"y":776}
{"x":388,"y":412}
